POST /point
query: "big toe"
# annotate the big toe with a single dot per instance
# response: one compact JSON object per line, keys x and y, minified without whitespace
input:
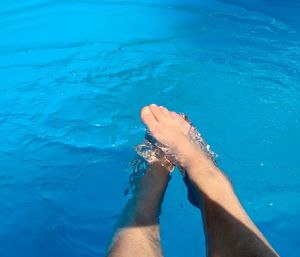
{"x":148,"y":118}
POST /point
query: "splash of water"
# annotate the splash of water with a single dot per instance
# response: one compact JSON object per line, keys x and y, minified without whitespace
{"x":152,"y":150}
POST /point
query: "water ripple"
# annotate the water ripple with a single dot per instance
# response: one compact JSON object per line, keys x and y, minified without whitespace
{"x":74,"y":76}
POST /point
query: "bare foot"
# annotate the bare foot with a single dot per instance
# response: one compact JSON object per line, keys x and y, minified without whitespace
{"x":172,"y":130}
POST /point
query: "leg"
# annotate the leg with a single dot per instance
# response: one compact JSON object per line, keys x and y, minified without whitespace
{"x":138,"y":232}
{"x":229,"y":230}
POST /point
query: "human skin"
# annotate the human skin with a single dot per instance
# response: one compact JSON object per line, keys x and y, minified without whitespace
{"x":229,"y":231}
{"x":138,"y":233}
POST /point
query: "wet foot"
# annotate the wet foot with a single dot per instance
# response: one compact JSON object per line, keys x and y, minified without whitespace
{"x":172,"y":130}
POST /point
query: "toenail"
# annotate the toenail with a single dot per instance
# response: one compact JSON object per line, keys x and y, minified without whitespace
{"x":146,"y":110}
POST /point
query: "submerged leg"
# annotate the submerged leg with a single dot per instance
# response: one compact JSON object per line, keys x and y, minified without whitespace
{"x":229,"y":230}
{"x":138,"y":233}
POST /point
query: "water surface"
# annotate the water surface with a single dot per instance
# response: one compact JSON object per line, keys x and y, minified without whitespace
{"x":73,"y":77}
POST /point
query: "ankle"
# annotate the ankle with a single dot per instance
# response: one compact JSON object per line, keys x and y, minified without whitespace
{"x":198,"y":162}
{"x":207,"y":179}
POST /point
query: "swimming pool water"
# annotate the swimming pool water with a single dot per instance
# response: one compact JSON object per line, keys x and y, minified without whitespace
{"x":73,"y":77}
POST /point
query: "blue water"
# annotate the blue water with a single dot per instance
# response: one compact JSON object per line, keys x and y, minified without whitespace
{"x":74,"y":75}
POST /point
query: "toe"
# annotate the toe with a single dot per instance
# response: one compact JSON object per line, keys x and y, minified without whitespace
{"x":148,"y":118}
{"x":182,"y":119}
{"x":177,"y":117}
{"x":174,"y":115}
{"x":186,"y":120}
{"x":156,"y":112}
{"x":165,"y":111}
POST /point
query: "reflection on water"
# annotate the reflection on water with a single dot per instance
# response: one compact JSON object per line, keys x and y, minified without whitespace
{"x":287,"y":12}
